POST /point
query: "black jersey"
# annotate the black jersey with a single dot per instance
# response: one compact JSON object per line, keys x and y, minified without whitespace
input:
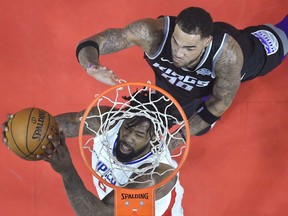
{"x":183,"y":84}
{"x":260,"y":56}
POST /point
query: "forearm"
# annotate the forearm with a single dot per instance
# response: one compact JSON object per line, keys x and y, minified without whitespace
{"x":196,"y":124}
{"x":209,"y":113}
{"x":83,"y":201}
{"x":88,"y":56}
{"x":69,"y":123}
{"x":106,"y":42}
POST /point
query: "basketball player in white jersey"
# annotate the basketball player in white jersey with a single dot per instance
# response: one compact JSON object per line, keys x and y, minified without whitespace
{"x":130,"y":142}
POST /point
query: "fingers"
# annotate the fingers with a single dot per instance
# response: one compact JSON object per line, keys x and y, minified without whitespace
{"x":54,"y":140}
{"x":48,"y":151}
{"x":104,"y":75}
{"x":62,"y":138}
{"x":43,"y":157}
{"x":4,"y":139}
{"x":9,"y":116}
{"x":113,"y":78}
{"x":5,"y":124}
{"x":47,"y":156}
{"x":58,"y":143}
{"x":5,"y":129}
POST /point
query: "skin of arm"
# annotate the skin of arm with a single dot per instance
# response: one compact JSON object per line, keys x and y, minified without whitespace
{"x":83,"y":201}
{"x":70,"y":122}
{"x":227,"y":82}
{"x":145,"y":33}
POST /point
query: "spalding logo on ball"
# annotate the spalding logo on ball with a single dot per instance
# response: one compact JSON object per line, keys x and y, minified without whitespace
{"x":28,"y":131}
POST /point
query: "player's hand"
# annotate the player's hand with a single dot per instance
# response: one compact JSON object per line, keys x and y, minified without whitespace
{"x":103,"y":75}
{"x":177,"y":141}
{"x":59,"y":157}
{"x":5,"y":129}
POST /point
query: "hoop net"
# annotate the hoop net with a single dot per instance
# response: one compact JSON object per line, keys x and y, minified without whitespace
{"x":167,"y":118}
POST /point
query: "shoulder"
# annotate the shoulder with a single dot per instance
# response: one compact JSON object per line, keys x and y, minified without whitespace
{"x":146,"y":29}
{"x":228,"y":74}
{"x":147,"y":33}
{"x":231,"y":56}
{"x":147,"y":24}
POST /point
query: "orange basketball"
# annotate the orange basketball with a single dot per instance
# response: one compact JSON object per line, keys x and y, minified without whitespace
{"x":28,"y":131}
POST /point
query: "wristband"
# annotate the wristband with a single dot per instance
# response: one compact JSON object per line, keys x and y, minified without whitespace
{"x":86,"y":44}
{"x":206,"y":115}
{"x":90,"y":66}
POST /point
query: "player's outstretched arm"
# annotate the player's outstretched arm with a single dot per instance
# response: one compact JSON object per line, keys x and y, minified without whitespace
{"x":228,"y":78}
{"x":83,"y":201}
{"x":70,"y":122}
{"x":145,"y":33}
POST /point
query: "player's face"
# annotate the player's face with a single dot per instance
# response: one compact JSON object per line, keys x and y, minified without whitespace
{"x":187,"y":48}
{"x":133,"y":142}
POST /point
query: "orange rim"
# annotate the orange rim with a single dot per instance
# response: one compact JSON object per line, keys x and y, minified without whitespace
{"x":119,"y":190}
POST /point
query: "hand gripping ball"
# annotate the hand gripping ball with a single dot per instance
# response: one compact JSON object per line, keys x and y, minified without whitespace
{"x":28,"y":131}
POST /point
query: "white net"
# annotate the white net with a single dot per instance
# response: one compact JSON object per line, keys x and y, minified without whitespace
{"x":126,"y":102}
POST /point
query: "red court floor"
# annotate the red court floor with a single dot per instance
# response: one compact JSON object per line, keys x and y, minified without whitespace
{"x":239,"y":169}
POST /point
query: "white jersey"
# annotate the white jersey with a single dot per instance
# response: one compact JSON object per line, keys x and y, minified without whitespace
{"x":102,"y":161}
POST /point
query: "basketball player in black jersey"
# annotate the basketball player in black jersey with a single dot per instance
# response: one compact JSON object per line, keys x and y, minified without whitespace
{"x":199,"y":62}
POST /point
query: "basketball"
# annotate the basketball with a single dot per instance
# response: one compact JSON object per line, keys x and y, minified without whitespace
{"x":28,"y":131}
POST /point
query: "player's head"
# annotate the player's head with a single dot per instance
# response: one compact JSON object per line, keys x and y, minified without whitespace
{"x":134,"y":138}
{"x":194,"y":20}
{"x":137,"y":134}
{"x":192,"y":34}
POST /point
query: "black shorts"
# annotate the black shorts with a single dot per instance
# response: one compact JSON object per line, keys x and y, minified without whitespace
{"x":268,"y":53}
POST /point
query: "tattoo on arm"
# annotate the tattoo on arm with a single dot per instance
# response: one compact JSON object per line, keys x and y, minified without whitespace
{"x":113,"y":40}
{"x":145,"y":33}
{"x":196,"y":124}
{"x":228,"y":78}
{"x":109,"y":41}
{"x":70,"y":122}
{"x":83,"y":201}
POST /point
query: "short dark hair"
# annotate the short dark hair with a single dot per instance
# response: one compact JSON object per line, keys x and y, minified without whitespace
{"x":143,"y":97}
{"x":195,"y":20}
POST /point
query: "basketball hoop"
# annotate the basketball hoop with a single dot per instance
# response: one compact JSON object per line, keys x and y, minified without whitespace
{"x":140,"y":201}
